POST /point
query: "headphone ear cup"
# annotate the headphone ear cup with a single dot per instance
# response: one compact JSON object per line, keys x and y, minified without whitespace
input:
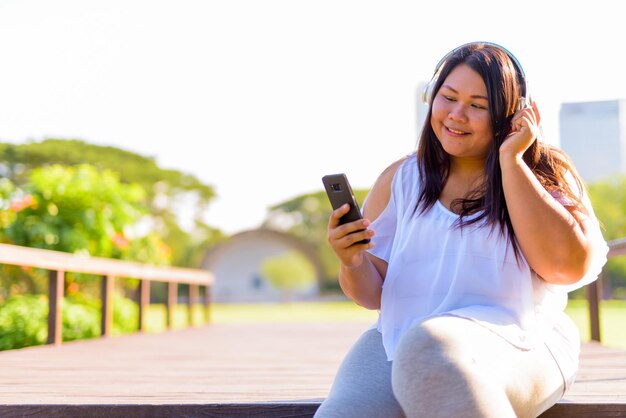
{"x":522,"y":103}
{"x":426,"y":93}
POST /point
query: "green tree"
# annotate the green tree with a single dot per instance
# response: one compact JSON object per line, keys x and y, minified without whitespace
{"x":18,"y":160}
{"x":289,"y":272}
{"x":76,"y":209}
{"x":306,"y":218}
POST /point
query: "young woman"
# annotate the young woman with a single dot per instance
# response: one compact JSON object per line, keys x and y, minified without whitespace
{"x":476,"y":238}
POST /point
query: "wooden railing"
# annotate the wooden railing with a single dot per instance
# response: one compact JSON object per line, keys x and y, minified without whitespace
{"x":58,"y":263}
{"x":594,"y":290}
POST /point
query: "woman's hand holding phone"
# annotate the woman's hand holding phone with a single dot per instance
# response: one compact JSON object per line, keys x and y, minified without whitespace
{"x":349,"y":237}
{"x":349,"y":240}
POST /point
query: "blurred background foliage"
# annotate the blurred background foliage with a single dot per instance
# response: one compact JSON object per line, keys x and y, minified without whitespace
{"x":24,"y":319}
{"x":68,"y":195}
{"x":609,"y":202}
{"x":306,"y":218}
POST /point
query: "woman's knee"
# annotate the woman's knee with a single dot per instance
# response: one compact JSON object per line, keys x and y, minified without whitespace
{"x":426,"y":357}
{"x":435,"y":346}
{"x":433,"y":373}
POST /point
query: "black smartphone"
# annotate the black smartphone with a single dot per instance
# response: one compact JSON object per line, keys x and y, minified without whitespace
{"x":339,"y":193}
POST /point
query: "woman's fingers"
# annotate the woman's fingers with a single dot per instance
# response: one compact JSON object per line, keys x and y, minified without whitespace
{"x":349,"y":229}
{"x":525,"y":118}
{"x":536,"y":109}
{"x":355,"y":238}
{"x":336,"y":215}
{"x":347,"y":240}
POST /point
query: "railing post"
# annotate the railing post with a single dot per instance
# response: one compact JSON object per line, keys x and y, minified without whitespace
{"x":144,"y":303}
{"x":193,"y":297}
{"x":172,"y":300}
{"x":207,"y":302}
{"x":55,"y":304}
{"x":594,"y":295}
{"x":107,"y":289}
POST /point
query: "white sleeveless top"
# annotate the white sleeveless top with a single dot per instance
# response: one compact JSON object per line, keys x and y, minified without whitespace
{"x":436,"y":268}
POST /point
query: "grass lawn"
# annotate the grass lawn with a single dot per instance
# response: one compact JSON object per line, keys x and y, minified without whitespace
{"x":263,"y":312}
{"x":612,"y":316}
{"x":612,"y":321}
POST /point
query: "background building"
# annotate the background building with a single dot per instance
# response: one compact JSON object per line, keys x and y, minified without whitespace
{"x":238,"y":268}
{"x":593,"y":134}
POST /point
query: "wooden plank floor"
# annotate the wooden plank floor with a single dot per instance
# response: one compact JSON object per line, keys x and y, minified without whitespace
{"x":218,"y":363}
{"x":201,"y":371}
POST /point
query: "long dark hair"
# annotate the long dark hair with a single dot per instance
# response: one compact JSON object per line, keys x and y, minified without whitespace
{"x":504,"y":88}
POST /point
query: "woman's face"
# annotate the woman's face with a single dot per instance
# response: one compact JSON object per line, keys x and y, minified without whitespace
{"x":460,"y":115}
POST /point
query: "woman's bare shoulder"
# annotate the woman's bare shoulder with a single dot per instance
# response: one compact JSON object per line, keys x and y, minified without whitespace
{"x":380,"y":193}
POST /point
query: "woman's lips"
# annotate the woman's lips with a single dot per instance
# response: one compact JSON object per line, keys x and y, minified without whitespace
{"x":455,"y":131}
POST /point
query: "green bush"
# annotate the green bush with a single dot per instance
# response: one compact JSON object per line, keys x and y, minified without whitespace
{"x":125,"y":315}
{"x":81,"y":318}
{"x":24,"y":319}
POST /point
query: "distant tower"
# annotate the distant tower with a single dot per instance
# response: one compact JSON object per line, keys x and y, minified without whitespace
{"x":593,"y":134}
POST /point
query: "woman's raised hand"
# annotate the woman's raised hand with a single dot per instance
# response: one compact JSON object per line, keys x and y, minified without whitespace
{"x":524,"y":131}
{"x":345,"y":239}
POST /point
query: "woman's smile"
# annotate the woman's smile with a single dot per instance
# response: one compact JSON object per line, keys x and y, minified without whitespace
{"x":455,"y":132}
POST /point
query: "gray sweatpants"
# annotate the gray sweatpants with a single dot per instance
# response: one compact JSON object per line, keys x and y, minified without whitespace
{"x":444,"y":367}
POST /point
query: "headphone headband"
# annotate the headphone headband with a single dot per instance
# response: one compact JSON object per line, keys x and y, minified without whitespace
{"x":427,"y":92}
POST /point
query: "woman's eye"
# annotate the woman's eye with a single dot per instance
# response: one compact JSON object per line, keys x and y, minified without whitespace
{"x":448,"y":98}
{"x":478,"y":106}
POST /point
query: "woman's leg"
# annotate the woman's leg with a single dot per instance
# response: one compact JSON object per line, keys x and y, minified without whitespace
{"x":448,"y":366}
{"x":362,"y":387}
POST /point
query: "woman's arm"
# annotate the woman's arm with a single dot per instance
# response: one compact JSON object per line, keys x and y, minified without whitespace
{"x":554,"y":240}
{"x":361,"y":274}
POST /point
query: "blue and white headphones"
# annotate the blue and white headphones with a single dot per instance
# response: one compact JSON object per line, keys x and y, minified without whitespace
{"x":523,"y":102}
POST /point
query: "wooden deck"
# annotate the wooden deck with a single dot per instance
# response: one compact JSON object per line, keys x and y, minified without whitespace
{"x":277,"y":370}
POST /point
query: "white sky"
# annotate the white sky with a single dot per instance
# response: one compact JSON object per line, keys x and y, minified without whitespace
{"x":262,"y":98}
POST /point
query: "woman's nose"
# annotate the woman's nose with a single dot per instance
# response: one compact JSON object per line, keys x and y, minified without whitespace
{"x":458,"y":113}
